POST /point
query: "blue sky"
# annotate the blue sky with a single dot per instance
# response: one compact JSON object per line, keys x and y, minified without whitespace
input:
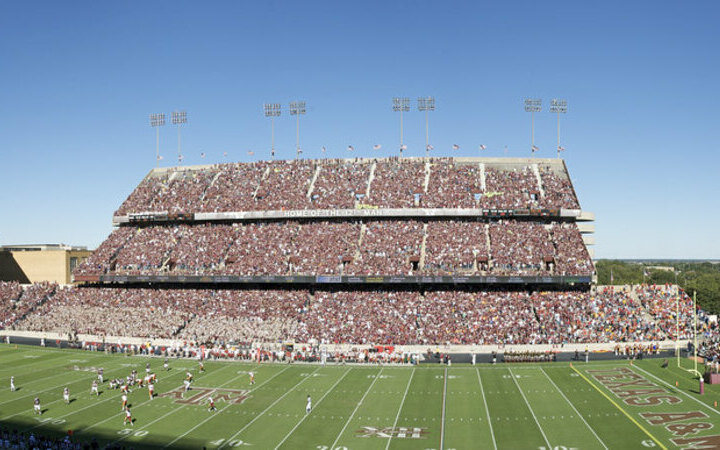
{"x":79,"y":80}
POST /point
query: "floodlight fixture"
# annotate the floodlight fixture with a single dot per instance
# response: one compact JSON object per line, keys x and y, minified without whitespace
{"x":533,"y":105}
{"x":401,"y":105}
{"x":297,"y":109}
{"x":558,"y":106}
{"x":272,"y":109}
{"x":426,"y":104}
{"x":156,"y":121}
{"x":179,"y":118}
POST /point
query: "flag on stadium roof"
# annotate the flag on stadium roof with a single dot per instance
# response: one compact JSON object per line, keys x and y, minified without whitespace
{"x":377,"y":147}
{"x":350,"y":148}
{"x":299,"y":151}
{"x":561,"y":148}
{"x":202,"y":155}
{"x":403,"y":147}
{"x":323,"y":149}
{"x":225,"y":154}
{"x":180,"y":158}
{"x":456,"y":147}
{"x":535,"y":148}
{"x":483,"y":146}
{"x":429,"y":147}
{"x":159,"y":158}
{"x":250,"y":152}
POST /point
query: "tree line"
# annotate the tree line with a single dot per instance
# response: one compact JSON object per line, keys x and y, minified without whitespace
{"x":700,"y":277}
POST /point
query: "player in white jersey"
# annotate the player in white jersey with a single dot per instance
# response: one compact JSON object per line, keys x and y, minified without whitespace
{"x":308,"y":407}
{"x":151,"y":390}
{"x":94,"y":388}
{"x":165,"y":365}
{"x":128,"y":418}
{"x":36,"y":406}
{"x":12,"y":384}
{"x":100,"y":375}
{"x":252,"y":377}
{"x":187,"y":386}
{"x":124,"y":402}
{"x":66,"y":395}
{"x":211,"y":404}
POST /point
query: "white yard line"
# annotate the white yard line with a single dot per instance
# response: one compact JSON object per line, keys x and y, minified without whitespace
{"x":442,"y":420}
{"x":138,"y":405}
{"x":678,"y":390}
{"x":487,"y":411}
{"x":574,"y":409}
{"x":397,"y":417}
{"x":234,"y":436}
{"x":36,"y":394}
{"x":530,"y":408}
{"x":25,"y":386}
{"x":226,"y":407}
{"x":318,"y":403}
{"x":377,"y":376}
{"x":171,"y":412}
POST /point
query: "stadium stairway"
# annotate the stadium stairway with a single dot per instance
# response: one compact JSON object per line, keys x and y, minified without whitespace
{"x":370,"y":179}
{"x":536,"y":171}
{"x":312,"y":182}
{"x":482,"y":176}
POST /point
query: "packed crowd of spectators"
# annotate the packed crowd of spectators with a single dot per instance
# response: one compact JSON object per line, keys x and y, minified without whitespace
{"x":390,"y":247}
{"x":340,"y":184}
{"x":456,"y":246}
{"x":366,"y":317}
{"x":516,"y":188}
{"x":16,"y":302}
{"x":519,"y":247}
{"x":453,"y":185}
{"x":559,"y":192}
{"x":234,"y":187}
{"x":345,"y":184}
{"x":152,"y":313}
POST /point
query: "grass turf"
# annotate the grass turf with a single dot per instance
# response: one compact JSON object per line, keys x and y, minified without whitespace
{"x":533,"y":406}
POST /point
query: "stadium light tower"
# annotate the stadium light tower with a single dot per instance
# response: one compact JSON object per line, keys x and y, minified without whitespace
{"x":401,"y":104}
{"x":156,"y":121}
{"x":426,"y":104}
{"x":558,"y":106}
{"x":533,"y":105}
{"x":297,"y":109}
{"x":179,"y":118}
{"x":272,"y":110}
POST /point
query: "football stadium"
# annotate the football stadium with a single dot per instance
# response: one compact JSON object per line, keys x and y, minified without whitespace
{"x":420,"y":303}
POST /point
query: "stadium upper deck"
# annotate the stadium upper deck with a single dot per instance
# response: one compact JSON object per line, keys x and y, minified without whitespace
{"x":415,"y":220}
{"x":352,"y":184}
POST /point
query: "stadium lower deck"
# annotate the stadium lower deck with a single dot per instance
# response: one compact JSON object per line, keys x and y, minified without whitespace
{"x":608,"y":404}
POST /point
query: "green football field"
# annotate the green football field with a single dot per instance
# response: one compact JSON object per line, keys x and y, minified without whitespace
{"x":611,"y":405}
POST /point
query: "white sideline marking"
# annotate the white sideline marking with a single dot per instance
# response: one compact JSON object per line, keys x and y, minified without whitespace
{"x":678,"y":390}
{"x":234,"y":436}
{"x":226,"y":407}
{"x":318,"y":403}
{"x":401,"y":407}
{"x":487,"y":411}
{"x":172,"y":411}
{"x":530,"y":408}
{"x":356,"y":408}
{"x":576,"y":411}
{"x":442,"y":423}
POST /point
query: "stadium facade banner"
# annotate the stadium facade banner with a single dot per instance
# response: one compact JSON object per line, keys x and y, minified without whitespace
{"x":336,"y":279}
{"x":163,"y":216}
